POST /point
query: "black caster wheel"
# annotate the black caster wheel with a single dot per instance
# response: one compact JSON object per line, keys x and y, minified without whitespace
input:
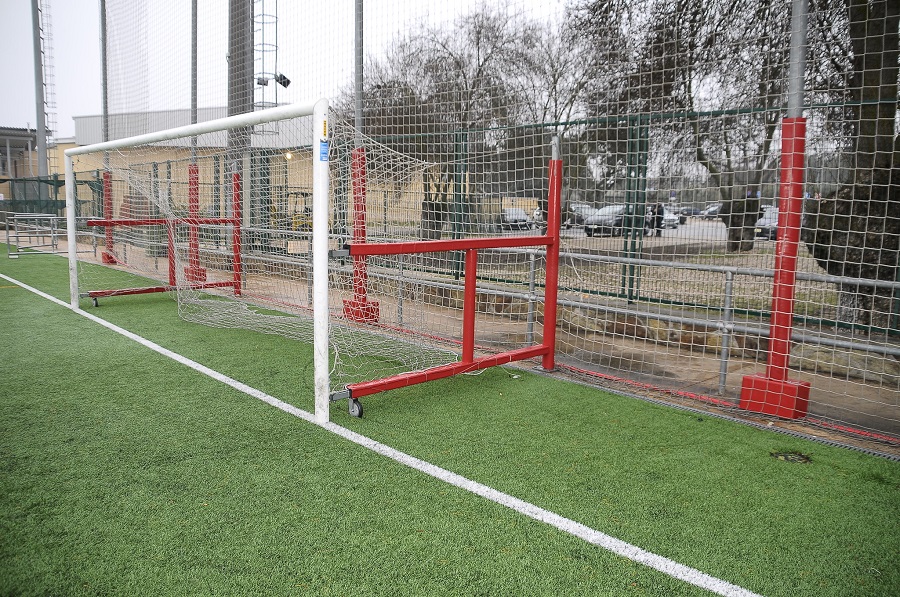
{"x":94,"y":302}
{"x":356,"y":409}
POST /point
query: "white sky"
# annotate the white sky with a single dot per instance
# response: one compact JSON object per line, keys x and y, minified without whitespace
{"x":76,"y":52}
{"x":76,"y":49}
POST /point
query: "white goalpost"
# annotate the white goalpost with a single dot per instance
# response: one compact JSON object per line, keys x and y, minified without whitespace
{"x":123,"y":164}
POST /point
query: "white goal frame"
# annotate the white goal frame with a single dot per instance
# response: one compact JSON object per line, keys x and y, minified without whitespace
{"x":320,"y":141}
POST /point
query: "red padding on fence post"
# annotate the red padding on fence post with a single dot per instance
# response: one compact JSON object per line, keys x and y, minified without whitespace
{"x":470,"y":303}
{"x":194,"y":272}
{"x":551,"y":283}
{"x":359,"y":308}
{"x":107,"y":255}
{"x":773,"y":393}
{"x":236,"y":231}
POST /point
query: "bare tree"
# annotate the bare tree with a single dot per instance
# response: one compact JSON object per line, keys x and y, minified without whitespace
{"x":856,"y":231}
{"x":712,"y":75}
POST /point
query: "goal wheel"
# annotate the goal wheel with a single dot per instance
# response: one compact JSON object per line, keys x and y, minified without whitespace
{"x":356,"y":409}
{"x":94,"y":301}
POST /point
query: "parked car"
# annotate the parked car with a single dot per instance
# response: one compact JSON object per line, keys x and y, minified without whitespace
{"x":767,"y":225}
{"x":574,"y":214}
{"x":670,"y":220}
{"x":711,"y":212}
{"x":514,"y":218}
{"x":690,"y":212}
{"x":606,"y":220}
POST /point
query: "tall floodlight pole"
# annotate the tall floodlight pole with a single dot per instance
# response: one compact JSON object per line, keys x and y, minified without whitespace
{"x":773,"y":392}
{"x":193,"y":75}
{"x":41,"y":126}
{"x":104,"y":82}
{"x":240,"y":93}
{"x":358,"y":71}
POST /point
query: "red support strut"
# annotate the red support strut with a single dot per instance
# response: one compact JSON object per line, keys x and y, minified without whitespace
{"x":773,"y":393}
{"x":359,"y":308}
{"x":468,"y":361}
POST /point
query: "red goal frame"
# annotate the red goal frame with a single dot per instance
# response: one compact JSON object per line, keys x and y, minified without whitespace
{"x":359,"y":249}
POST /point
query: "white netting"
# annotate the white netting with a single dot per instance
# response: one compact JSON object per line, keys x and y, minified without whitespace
{"x":654,"y":103}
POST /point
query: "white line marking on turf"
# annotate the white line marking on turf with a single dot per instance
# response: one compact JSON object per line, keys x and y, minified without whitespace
{"x":593,"y":536}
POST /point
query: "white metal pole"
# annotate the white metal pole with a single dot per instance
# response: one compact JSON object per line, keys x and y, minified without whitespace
{"x":209,"y":126}
{"x":320,"y":260}
{"x":71,"y":232}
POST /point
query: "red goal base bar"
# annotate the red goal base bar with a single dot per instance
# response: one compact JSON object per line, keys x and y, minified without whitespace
{"x":151,"y":289}
{"x":358,"y":390}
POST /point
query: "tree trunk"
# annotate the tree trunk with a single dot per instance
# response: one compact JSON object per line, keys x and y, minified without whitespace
{"x":856,"y":233}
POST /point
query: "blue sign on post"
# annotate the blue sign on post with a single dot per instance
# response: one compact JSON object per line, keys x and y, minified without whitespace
{"x":323,"y":151}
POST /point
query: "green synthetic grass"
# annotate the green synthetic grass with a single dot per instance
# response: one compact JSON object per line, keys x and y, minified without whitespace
{"x":123,"y":472}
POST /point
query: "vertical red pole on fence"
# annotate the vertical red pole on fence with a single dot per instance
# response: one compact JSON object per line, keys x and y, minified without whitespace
{"x":107,"y":256}
{"x":170,"y":243}
{"x":773,"y":393}
{"x":470,"y":302}
{"x":236,"y":230}
{"x":194,"y":272}
{"x":551,"y":286}
{"x":359,"y":308}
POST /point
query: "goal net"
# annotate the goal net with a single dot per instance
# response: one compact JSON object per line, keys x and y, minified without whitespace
{"x":314,"y":233}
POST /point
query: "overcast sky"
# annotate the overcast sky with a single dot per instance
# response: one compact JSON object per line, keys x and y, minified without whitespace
{"x":76,"y":50}
{"x":76,"y":53}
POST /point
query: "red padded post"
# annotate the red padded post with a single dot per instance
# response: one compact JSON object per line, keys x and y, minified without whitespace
{"x":107,"y":255}
{"x":236,"y":231}
{"x":551,"y":283}
{"x":359,"y":308}
{"x":193,"y":271}
{"x":773,"y":393}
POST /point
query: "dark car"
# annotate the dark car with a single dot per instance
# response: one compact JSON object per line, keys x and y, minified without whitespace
{"x":767,"y":225}
{"x":513,"y":218}
{"x":606,"y":220}
{"x":690,"y":212}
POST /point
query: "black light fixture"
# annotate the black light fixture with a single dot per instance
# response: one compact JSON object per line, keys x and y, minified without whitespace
{"x":282,"y":80}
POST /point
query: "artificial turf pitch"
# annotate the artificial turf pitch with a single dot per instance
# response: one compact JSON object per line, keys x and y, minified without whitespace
{"x":123,"y":472}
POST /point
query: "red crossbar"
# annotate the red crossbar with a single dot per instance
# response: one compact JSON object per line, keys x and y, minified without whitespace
{"x":436,"y":246}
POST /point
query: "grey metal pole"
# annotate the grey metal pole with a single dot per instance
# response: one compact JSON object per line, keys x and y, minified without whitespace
{"x":104,"y":83}
{"x":358,"y":71}
{"x":797,"y":66}
{"x":194,"y":76}
{"x":41,"y":126}
{"x":727,"y":322}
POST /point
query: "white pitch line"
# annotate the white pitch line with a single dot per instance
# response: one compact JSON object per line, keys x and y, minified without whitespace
{"x":567,"y":525}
